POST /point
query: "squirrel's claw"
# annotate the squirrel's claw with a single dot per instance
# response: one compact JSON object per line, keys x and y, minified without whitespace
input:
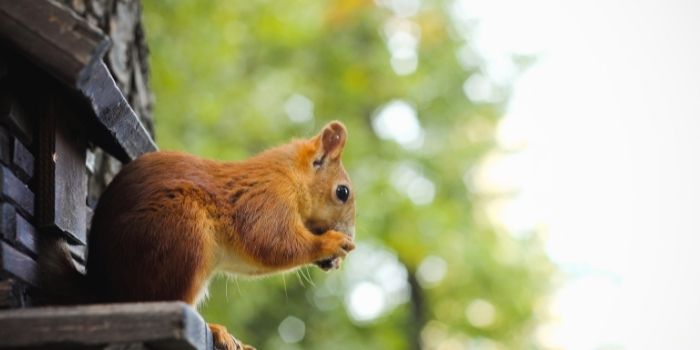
{"x":332,"y":263}
{"x":223,"y":340}
{"x":338,"y":246}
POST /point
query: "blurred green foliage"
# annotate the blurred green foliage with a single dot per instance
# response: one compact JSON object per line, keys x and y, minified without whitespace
{"x":227,"y":74}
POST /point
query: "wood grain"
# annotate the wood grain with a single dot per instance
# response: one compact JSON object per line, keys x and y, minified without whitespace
{"x":13,"y":114}
{"x":26,"y":235}
{"x":8,"y":221}
{"x":119,"y":130}
{"x":62,"y":173}
{"x":71,"y":50}
{"x":18,"y":264}
{"x":22,"y":161}
{"x":16,"y":191}
{"x":52,"y":37}
{"x":161,"y":325}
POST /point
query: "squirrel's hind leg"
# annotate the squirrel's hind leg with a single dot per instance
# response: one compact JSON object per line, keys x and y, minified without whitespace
{"x":223,"y":340}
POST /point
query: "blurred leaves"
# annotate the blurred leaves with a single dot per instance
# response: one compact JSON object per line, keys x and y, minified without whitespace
{"x":223,"y":71}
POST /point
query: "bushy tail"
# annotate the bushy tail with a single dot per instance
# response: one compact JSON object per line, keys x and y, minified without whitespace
{"x":62,"y":280}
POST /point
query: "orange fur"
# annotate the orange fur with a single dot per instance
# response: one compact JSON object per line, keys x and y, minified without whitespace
{"x":169,"y":220}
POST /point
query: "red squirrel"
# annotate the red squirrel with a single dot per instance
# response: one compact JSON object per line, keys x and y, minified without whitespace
{"x":168,"y":221}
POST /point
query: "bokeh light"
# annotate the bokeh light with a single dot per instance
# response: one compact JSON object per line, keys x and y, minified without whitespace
{"x":292,"y":329}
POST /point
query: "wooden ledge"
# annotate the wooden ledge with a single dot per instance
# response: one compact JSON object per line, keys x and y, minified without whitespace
{"x":159,"y":325}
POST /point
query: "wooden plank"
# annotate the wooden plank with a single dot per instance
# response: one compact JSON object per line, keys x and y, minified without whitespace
{"x":68,"y":48}
{"x":16,"y":229}
{"x":8,"y":221}
{"x":70,"y":182}
{"x":62,"y":173}
{"x":118,"y":130}
{"x":23,"y":161}
{"x":18,"y":264}
{"x":26,"y":235}
{"x":160,"y":325}
{"x":15,"y":117}
{"x":53,"y":37}
{"x":16,"y":191}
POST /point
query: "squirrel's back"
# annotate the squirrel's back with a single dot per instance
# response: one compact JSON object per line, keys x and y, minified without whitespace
{"x":142,"y":244}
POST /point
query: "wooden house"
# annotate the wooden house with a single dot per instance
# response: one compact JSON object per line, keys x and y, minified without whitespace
{"x":60,"y":110}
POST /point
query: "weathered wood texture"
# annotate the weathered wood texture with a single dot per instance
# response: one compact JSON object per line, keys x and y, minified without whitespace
{"x":70,"y":49}
{"x":118,"y":130}
{"x":14,"y":115}
{"x":47,"y":138}
{"x":14,"y":228}
{"x":14,"y":190}
{"x":53,"y":38}
{"x":19,"y":237}
{"x":19,"y":264}
{"x":22,"y":161}
{"x":163,"y":325}
{"x":62,"y":47}
{"x":127,"y":59}
{"x":62,"y":172}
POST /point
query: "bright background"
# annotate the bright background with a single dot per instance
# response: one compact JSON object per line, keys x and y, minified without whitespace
{"x":525,"y":170}
{"x":607,"y":125}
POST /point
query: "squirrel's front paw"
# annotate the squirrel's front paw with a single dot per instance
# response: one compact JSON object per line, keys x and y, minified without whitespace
{"x":225,"y":341}
{"x":332,"y":263}
{"x":335,"y":246}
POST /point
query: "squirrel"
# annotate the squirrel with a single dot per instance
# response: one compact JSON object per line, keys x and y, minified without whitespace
{"x":168,"y":221}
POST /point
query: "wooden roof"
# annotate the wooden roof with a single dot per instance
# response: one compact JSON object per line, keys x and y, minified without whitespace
{"x":71,"y":50}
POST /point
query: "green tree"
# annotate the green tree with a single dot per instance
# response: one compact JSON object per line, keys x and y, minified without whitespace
{"x":234,"y":77}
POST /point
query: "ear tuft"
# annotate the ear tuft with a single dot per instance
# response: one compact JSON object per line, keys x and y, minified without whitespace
{"x":333,"y":137}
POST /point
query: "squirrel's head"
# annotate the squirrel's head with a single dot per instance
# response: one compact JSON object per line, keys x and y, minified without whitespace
{"x":332,"y":200}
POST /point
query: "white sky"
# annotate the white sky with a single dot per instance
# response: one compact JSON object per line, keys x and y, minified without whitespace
{"x":610,"y":121}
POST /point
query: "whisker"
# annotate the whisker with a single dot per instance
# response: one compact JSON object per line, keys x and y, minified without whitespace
{"x":238,"y":286}
{"x":308,"y":276}
{"x":299,"y":278}
{"x":284,"y":281}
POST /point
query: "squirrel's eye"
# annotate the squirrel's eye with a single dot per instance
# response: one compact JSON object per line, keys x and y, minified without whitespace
{"x":343,"y":193}
{"x":317,"y":163}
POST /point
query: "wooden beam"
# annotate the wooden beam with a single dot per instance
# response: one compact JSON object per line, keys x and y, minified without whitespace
{"x":26,"y":235}
{"x":160,"y":325}
{"x":62,"y":174}
{"x":16,"y":229}
{"x":18,"y":264}
{"x":71,"y":50}
{"x":22,"y":161}
{"x":8,"y":221}
{"x":53,"y":37}
{"x":15,"y":117}
{"x":118,"y":130}
{"x":16,"y":191}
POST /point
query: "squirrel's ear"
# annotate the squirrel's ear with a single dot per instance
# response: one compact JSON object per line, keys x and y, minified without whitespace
{"x":332,"y":139}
